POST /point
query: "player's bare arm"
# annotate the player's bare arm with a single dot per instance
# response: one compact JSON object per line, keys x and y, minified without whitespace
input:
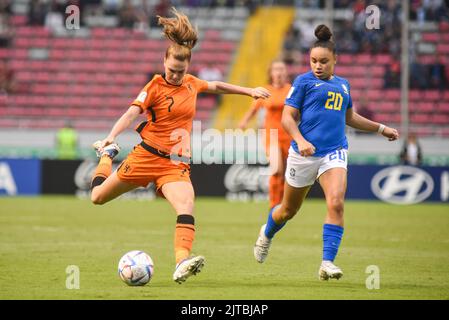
{"x":290,"y":118}
{"x":356,"y":121}
{"x":248,"y":116}
{"x":122,"y":124}
{"x":220,"y":87}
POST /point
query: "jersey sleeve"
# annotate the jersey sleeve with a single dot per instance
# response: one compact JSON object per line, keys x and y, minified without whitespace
{"x":350,"y":98}
{"x":200,"y":85}
{"x":144,"y":98}
{"x":295,"y":96}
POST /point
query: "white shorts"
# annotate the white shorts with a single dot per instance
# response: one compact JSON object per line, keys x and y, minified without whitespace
{"x":303,"y":171}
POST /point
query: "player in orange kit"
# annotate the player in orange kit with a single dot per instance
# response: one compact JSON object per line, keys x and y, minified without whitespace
{"x":277,"y":151}
{"x":163,"y":156}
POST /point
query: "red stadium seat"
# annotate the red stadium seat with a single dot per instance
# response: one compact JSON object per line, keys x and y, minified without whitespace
{"x":443,"y":48}
{"x":443,"y":107}
{"x":420,"y":118}
{"x":392,"y":94}
{"x":440,"y":119}
{"x":382,"y":59}
{"x":375,"y":95}
{"x":444,"y":131}
{"x":202,"y":115}
{"x":18,"y":20}
{"x":32,"y":32}
{"x":206,"y":103}
{"x":9,"y":123}
{"x":390,"y":107}
{"x":387,"y":117}
{"x":430,"y":37}
{"x":212,"y":34}
{"x":56,"y":112}
{"x":365,"y":59}
{"x":426,"y":107}
{"x":22,"y":42}
{"x":444,"y":37}
{"x":343,"y":59}
{"x":377,"y":71}
{"x":443,"y":26}
{"x":432,"y":95}
{"x":344,"y":71}
{"x":415,"y":95}
{"x":423,"y":131}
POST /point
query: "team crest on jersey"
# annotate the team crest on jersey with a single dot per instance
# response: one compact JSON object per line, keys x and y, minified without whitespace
{"x":190,"y":87}
{"x":142,"y":96}
{"x":345,"y":88}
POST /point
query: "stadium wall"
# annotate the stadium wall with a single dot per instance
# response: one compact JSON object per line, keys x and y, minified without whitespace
{"x":235,"y":182}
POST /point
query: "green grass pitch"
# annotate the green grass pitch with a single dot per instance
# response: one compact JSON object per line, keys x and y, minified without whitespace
{"x":40,"y":237}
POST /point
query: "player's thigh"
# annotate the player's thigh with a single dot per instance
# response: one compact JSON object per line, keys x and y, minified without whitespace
{"x":332,"y":176}
{"x":293,"y":198}
{"x":110,"y":189}
{"x":181,"y":196}
{"x":334,"y":183}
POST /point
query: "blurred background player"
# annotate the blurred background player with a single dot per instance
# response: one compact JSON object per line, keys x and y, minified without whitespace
{"x":163,"y":156}
{"x":322,"y":104}
{"x":67,"y":142}
{"x":277,"y":151}
{"x":411,"y":152}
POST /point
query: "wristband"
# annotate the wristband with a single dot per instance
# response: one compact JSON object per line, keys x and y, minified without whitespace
{"x":381,"y":128}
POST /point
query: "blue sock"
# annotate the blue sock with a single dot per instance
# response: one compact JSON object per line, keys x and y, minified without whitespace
{"x":272,"y":227}
{"x":332,"y":235}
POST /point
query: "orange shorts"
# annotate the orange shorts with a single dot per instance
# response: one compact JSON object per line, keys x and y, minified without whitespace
{"x":142,"y":167}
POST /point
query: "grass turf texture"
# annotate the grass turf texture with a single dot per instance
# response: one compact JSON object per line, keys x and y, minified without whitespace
{"x":40,"y":237}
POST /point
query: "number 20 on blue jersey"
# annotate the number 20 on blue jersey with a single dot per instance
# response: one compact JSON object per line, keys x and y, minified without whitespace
{"x":334,"y":101}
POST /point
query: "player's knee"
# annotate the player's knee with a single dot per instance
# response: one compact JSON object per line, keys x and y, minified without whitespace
{"x":185,"y":206}
{"x":97,"y":199}
{"x":336,"y":205}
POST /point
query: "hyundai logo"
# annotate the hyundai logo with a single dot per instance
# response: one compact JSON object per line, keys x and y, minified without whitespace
{"x":402,"y":185}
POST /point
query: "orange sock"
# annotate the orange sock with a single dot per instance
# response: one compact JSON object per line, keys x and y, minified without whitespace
{"x":184,"y":236}
{"x":103,"y":171}
{"x":276,"y":189}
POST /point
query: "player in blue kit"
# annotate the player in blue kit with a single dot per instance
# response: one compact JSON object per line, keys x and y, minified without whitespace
{"x":321,"y":102}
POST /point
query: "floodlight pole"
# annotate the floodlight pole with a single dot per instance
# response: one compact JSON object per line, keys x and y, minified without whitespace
{"x":330,"y":14}
{"x":405,"y":69}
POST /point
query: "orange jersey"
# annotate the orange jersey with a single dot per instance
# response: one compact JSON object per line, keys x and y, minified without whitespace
{"x":170,"y":110}
{"x":274,"y":106}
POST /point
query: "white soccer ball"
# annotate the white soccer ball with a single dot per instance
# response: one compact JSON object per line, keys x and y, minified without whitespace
{"x":136,"y":268}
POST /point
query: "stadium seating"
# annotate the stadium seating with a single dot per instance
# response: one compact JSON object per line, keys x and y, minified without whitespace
{"x":97,"y":76}
{"x":428,"y":108}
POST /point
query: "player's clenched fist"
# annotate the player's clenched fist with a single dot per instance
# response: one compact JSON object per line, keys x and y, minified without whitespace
{"x":306,"y":149}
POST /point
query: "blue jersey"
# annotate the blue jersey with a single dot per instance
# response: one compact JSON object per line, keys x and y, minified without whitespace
{"x":322,"y":105}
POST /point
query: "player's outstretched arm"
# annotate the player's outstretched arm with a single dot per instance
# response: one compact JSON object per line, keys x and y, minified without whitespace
{"x":356,"y":121}
{"x":122,"y":124}
{"x":248,"y":116}
{"x":219,"y":87}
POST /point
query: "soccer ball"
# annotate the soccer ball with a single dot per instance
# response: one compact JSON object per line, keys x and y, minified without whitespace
{"x":136,"y":268}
